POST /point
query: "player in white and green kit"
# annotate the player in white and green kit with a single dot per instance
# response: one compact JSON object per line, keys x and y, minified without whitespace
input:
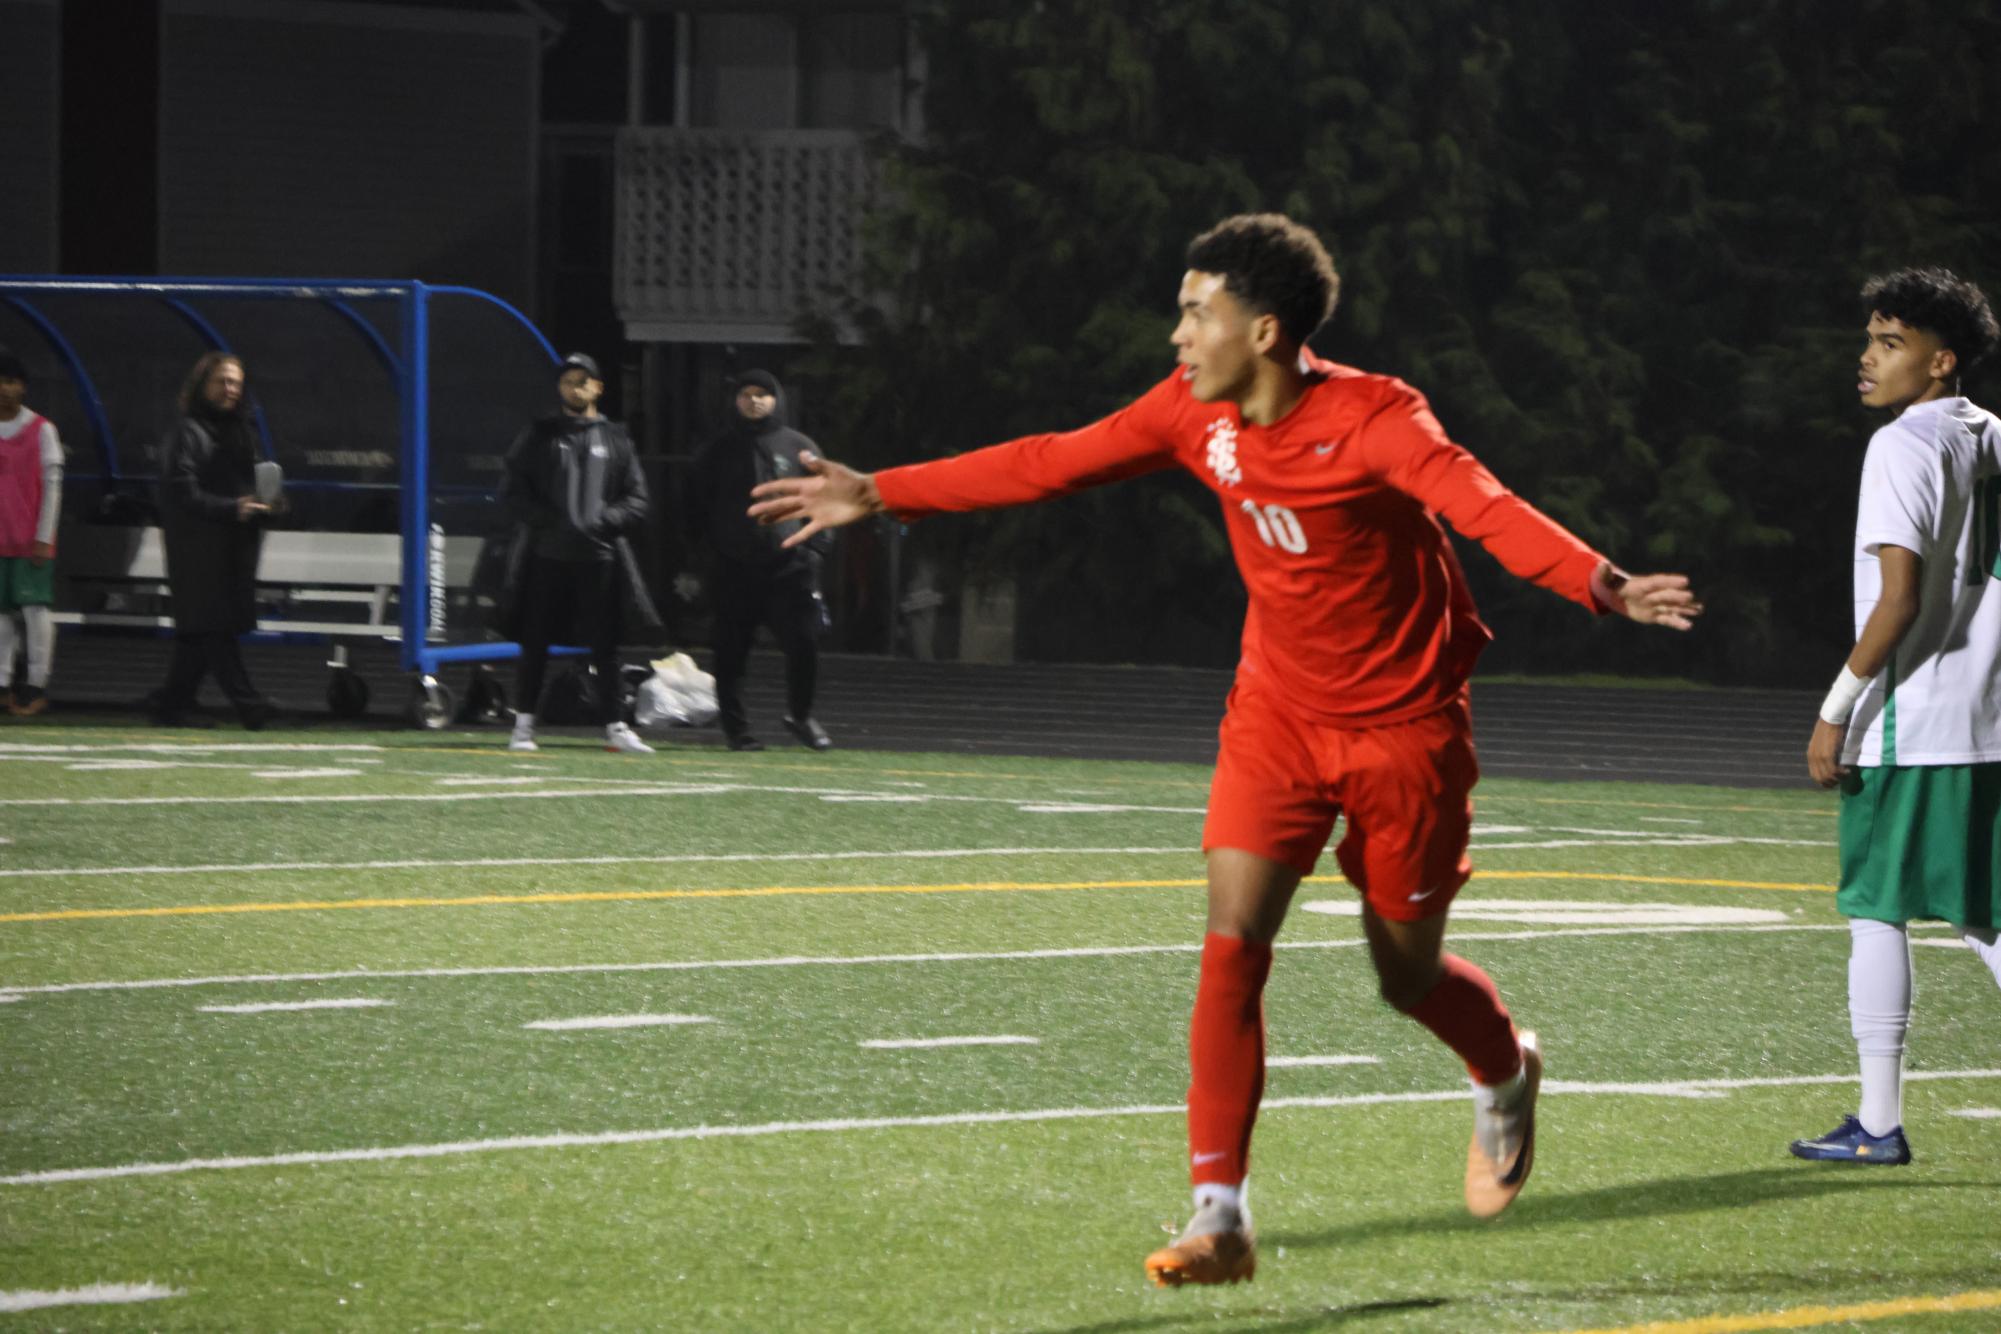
{"x":1911,"y":730}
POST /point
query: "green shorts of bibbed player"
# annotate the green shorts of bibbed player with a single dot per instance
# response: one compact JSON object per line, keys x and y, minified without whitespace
{"x":23,"y":583}
{"x":1922,"y":842}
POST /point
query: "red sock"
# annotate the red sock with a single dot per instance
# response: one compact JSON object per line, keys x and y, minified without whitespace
{"x":1466,"y":1013}
{"x":1226,"y":1051}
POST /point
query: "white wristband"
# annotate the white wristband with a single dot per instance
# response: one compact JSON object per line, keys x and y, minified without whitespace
{"x":1841,"y":697}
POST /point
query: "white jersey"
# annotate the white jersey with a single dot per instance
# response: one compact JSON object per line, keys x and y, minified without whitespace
{"x":1931,"y":483}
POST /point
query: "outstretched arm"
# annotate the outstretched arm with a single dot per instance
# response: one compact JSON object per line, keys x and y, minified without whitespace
{"x":1134,"y":440}
{"x":1407,"y":447}
{"x":1896,"y":611}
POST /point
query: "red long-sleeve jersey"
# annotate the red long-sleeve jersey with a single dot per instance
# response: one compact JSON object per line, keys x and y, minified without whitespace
{"x":1359,"y":613}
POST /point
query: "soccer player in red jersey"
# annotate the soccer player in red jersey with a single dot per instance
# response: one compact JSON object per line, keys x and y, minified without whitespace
{"x":1351,"y":694}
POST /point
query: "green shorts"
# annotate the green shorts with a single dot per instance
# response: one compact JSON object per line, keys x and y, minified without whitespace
{"x":1922,"y":842}
{"x":26,"y":584}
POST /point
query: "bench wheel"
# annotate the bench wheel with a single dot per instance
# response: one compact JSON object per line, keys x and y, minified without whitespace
{"x":347,"y":693}
{"x":430,"y":703}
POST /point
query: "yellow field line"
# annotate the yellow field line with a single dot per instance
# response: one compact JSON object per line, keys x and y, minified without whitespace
{"x":1806,"y":1317}
{"x":773,"y":891}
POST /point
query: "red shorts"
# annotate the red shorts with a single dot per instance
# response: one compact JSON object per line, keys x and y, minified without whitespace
{"x":1406,"y":789}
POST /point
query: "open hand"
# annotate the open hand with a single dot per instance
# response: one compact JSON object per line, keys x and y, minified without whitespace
{"x":1657,"y":599}
{"x":829,"y":496}
{"x":41,"y":553}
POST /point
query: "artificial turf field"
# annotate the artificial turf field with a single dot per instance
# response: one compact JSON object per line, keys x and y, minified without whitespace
{"x":438,"y":1143}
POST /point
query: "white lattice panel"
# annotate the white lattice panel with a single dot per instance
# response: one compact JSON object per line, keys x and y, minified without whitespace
{"x":731,"y":234}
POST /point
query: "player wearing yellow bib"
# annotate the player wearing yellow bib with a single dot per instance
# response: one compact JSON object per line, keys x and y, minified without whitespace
{"x":1911,"y":730}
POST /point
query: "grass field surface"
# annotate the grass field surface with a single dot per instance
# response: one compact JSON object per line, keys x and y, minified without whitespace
{"x":402,"y":1031}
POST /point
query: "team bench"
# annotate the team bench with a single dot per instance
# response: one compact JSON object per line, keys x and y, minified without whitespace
{"x":341,"y":585}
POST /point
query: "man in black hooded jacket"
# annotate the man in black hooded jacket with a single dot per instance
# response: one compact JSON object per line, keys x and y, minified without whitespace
{"x":756,"y":581}
{"x":574,"y":483}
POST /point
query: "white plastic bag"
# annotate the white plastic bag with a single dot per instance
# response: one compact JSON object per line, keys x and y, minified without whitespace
{"x":678,"y":694}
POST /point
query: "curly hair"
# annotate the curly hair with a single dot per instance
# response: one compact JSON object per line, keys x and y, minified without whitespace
{"x":1941,"y":303}
{"x":1273,"y":265}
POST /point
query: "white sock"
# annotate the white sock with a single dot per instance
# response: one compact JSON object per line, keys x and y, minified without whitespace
{"x":41,"y":626}
{"x":1986,"y":944}
{"x":524,"y":722}
{"x":1879,"y":1015}
{"x":6,"y":649}
{"x":1215,"y":1192}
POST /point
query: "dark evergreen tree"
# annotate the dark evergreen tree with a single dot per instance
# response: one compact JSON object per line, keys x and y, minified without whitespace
{"x":1617,"y":243}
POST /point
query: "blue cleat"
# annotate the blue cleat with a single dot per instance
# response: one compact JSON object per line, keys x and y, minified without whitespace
{"x":1850,"y":1143}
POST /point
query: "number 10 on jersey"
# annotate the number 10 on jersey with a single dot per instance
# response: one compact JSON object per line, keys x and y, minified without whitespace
{"x":1277,"y":525}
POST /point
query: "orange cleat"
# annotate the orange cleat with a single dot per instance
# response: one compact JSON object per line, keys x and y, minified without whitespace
{"x":1216,"y":1247}
{"x":1491,"y":1185}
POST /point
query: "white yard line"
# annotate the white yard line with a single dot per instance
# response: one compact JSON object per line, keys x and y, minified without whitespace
{"x":845,"y":1124}
{"x":662,"y":859}
{"x":305,"y":773}
{"x":97,"y":1294}
{"x":619,"y":1021}
{"x":997,"y":1040}
{"x":1282,"y":1062}
{"x":1977,"y":1113}
{"x":271,"y":1007}
{"x":848,"y":961}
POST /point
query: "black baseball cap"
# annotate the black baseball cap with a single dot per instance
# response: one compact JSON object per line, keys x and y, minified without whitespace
{"x":580,"y":361}
{"x":11,"y":366}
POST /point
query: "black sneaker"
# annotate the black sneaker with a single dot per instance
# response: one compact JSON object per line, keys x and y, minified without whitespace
{"x":256,"y":714}
{"x":811,"y":735}
{"x":28,"y":701}
{"x":744,"y":741}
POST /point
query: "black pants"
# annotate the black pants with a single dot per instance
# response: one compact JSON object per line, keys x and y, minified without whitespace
{"x":577,"y":595}
{"x":205,"y":653}
{"x":788,"y":601}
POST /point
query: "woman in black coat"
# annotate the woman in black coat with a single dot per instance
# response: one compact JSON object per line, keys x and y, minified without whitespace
{"x":214,"y":528}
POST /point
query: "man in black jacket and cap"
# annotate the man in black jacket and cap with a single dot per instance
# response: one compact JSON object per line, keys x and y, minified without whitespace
{"x":573,"y":482}
{"x":756,"y":581}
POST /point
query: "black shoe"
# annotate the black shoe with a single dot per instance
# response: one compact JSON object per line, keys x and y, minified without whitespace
{"x":193,"y":720}
{"x":255,"y":714}
{"x":811,"y":735}
{"x":744,"y":741}
{"x":28,"y":701}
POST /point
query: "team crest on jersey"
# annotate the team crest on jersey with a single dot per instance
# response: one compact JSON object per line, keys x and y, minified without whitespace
{"x":1223,"y":452}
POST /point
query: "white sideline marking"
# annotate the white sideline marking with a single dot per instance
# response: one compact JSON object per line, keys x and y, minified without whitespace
{"x":495,"y":781}
{"x":8,"y":749}
{"x":413,"y":864}
{"x":834,"y":961}
{"x":888,"y":797}
{"x":1554,"y":912}
{"x":1977,"y":1113}
{"x":305,"y":773}
{"x":619,"y":1021}
{"x":666,"y":1134}
{"x":1667,"y":819}
{"x":269,"y":1007}
{"x":97,"y":1294}
{"x":999,"y":1040}
{"x":1281,"y":1061}
{"x":349,"y":798}
{"x":9,"y":999}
